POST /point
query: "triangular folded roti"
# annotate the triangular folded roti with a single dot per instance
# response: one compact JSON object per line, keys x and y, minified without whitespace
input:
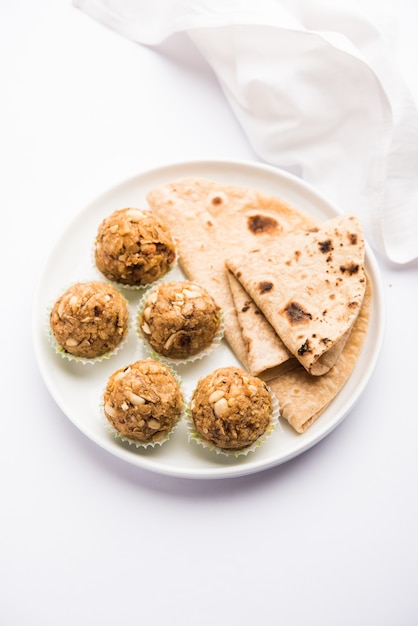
{"x":310,"y":287}
{"x":302,"y":397}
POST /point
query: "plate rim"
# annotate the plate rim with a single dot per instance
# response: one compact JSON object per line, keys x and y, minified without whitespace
{"x":226,"y":471}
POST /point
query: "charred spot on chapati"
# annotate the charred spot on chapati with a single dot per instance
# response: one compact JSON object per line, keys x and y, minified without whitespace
{"x":325,"y":246}
{"x":352,"y":238}
{"x":265,"y":286}
{"x":353,"y":268}
{"x":305,"y":347}
{"x":258,"y":224}
{"x":296,"y":315}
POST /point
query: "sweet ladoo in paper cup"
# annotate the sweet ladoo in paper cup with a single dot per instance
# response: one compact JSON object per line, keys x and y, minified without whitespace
{"x":142,"y":402}
{"x":133,"y":248}
{"x":231,"y":411}
{"x":179,"y":320}
{"x":89,"y":321}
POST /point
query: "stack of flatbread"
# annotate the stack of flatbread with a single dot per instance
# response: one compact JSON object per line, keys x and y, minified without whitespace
{"x":294,"y":293}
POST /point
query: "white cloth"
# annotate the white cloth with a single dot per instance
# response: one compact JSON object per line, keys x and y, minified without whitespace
{"x":314,"y":87}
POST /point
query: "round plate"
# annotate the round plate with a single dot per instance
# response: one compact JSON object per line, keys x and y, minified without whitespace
{"x":77,"y":388}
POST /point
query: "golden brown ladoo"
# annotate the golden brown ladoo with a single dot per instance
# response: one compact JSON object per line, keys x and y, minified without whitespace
{"x":134,"y":247}
{"x":89,"y":319}
{"x":230,"y":408}
{"x":143,"y":401}
{"x":179,"y":319}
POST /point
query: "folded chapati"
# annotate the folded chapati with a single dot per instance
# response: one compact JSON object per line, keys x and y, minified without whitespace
{"x":302,"y":397}
{"x":310,"y":287}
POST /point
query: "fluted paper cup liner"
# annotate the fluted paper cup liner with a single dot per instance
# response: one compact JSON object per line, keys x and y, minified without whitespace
{"x":62,"y":352}
{"x":195,"y":436}
{"x":216,"y":341}
{"x":161,"y":437}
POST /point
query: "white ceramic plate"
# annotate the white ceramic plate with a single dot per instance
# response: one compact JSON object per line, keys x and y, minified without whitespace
{"x":77,"y":388}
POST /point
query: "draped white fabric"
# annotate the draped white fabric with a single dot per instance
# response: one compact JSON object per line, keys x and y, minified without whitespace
{"x":315,"y":88}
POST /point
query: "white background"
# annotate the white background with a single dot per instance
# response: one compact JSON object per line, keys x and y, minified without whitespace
{"x":328,"y":538}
